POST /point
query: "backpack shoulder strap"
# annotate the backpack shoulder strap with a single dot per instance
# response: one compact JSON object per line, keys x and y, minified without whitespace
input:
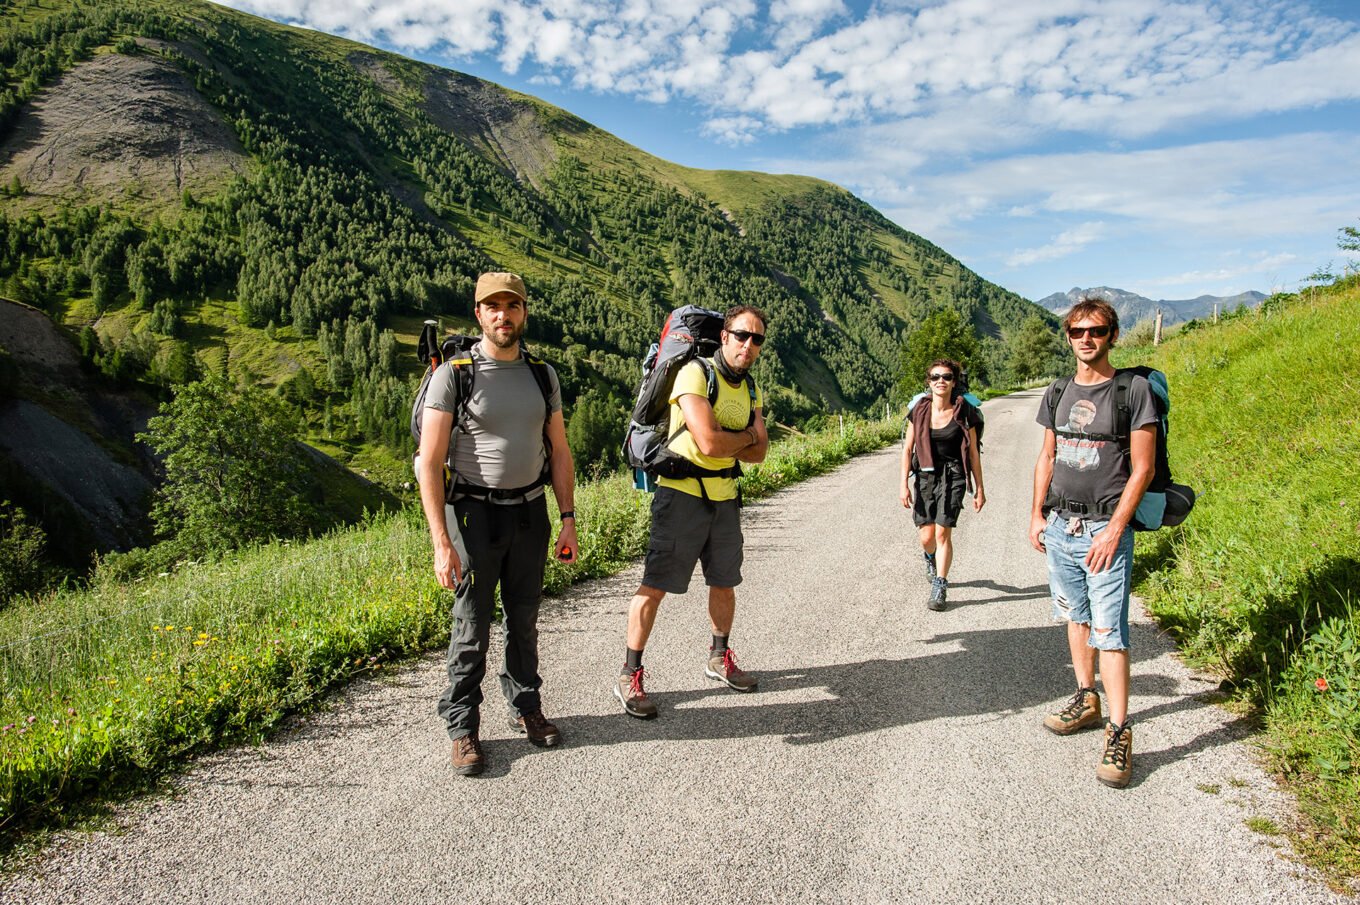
{"x":1055,"y":395}
{"x":1123,"y":383}
{"x":539,"y":368}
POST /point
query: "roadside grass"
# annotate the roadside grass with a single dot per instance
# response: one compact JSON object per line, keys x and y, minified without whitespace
{"x":106,"y":688}
{"x":1259,"y":582}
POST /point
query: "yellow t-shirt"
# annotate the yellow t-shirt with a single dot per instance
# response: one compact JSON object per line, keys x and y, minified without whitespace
{"x":733,"y":411}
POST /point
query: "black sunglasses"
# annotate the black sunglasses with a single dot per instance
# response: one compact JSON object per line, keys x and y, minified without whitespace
{"x":1100,"y":331}
{"x":743,"y":335}
{"x":940,"y":375}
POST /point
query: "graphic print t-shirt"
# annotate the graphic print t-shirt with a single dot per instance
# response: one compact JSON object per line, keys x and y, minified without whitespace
{"x":1088,"y":470}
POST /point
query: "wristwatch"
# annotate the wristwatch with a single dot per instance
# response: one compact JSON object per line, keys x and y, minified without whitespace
{"x":569,"y":514}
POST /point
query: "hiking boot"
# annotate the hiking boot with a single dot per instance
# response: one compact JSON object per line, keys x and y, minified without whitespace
{"x":723,"y":667}
{"x":1116,"y":765}
{"x":628,"y":689}
{"x":1082,"y":711}
{"x":930,"y":566}
{"x":939,"y":587}
{"x":468,"y":759}
{"x":535,"y":725}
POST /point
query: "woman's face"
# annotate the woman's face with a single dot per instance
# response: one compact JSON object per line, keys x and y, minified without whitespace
{"x":940,"y":380}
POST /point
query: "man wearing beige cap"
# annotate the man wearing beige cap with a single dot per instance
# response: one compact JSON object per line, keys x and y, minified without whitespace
{"x":489,"y":518}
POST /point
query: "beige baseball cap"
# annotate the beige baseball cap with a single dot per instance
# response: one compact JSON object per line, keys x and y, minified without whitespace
{"x":488,"y":284}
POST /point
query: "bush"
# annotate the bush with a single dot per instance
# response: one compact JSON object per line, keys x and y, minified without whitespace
{"x":22,"y":568}
{"x":232,"y":466}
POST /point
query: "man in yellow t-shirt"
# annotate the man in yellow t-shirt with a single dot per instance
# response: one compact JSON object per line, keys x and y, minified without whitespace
{"x":698,"y":519}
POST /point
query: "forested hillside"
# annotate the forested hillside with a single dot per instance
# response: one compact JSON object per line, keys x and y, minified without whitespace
{"x":191,"y":190}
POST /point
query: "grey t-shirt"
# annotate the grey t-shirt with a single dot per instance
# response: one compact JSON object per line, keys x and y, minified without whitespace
{"x":502,"y":444}
{"x":1093,"y":471}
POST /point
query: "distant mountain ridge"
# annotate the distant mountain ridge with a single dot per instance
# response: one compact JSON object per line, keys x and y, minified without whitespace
{"x":1133,"y":308}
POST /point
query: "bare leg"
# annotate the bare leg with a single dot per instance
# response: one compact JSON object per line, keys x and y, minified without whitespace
{"x":928,"y":538}
{"x":944,"y":541}
{"x":722,"y":609}
{"x":1114,"y":675}
{"x":1083,"y":655}
{"x":641,"y":615}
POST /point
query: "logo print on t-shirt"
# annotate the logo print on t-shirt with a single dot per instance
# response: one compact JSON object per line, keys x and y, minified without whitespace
{"x":1078,"y":452}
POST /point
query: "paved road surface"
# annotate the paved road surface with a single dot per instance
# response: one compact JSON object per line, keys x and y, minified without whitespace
{"x":892,"y":754}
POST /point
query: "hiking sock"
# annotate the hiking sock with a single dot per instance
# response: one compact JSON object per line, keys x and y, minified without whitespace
{"x":930,"y":558}
{"x":719,"y":644}
{"x":633,"y":662}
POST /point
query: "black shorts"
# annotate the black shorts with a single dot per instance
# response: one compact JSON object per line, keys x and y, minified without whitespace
{"x":939,"y":496}
{"x":687,"y":530}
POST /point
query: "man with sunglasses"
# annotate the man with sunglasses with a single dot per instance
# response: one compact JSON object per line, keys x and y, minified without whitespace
{"x":1086,"y":489}
{"x":698,"y":519}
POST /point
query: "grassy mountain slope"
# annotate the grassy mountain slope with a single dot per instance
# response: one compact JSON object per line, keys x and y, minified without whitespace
{"x":1259,"y":584}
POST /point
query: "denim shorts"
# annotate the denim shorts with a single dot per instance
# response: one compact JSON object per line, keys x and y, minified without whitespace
{"x":1097,"y":599}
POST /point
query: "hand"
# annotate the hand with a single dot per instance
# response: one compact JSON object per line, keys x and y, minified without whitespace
{"x":448,"y":568}
{"x":566,"y":540}
{"x":1103,"y":548}
{"x":979,"y":500}
{"x":1037,"y":526}
{"x":905,"y":496}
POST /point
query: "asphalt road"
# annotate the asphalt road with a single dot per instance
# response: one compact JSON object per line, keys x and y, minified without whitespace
{"x":891,"y":754}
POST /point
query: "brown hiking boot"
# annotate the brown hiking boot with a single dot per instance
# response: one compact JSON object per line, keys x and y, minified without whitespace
{"x":1116,"y":766}
{"x":536,"y":726}
{"x":1082,"y":711}
{"x":628,"y":689}
{"x":723,"y":667}
{"x":468,"y":759}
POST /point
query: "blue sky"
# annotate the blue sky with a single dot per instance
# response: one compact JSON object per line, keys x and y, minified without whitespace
{"x":1169,"y":147}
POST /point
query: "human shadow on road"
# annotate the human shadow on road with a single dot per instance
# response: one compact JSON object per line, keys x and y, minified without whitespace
{"x":1009,"y":593}
{"x":990,"y":673}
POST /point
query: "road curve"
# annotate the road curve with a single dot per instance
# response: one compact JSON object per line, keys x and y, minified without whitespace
{"x":892,"y":754}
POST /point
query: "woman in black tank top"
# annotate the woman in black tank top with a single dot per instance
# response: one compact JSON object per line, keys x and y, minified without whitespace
{"x":939,"y":460}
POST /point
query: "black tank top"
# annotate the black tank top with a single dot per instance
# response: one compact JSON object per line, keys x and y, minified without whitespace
{"x":945,"y":442}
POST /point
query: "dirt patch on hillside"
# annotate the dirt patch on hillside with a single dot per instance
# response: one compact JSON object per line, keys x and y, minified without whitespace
{"x":120,"y":129}
{"x":506,"y":130}
{"x":66,"y":438}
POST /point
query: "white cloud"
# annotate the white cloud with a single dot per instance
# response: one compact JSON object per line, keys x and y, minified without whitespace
{"x":1066,"y":243}
{"x":1126,"y":67}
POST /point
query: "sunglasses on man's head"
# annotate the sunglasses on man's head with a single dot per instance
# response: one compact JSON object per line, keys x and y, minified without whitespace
{"x":940,"y":375}
{"x":1100,"y":331}
{"x":742,"y":336}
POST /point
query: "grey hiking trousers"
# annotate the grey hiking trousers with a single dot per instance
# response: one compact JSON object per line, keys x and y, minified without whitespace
{"x":506,"y":545}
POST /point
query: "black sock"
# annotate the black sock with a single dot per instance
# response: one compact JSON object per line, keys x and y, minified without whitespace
{"x":719,"y":643}
{"x":633,"y":662}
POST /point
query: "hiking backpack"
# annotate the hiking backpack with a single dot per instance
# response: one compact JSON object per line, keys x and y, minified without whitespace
{"x":1166,"y":503}
{"x":690,"y":334}
{"x":456,"y":349}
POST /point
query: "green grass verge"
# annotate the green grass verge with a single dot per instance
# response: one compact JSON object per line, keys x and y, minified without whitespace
{"x":1258,"y":584}
{"x":105,"y":687}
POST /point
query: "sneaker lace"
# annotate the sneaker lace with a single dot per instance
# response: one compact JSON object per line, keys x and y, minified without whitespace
{"x":730,"y":666}
{"x":1116,"y":752}
{"x":635,"y":685}
{"x":1076,"y":707}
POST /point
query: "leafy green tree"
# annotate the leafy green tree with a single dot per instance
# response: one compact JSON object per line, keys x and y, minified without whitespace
{"x":943,"y":334}
{"x":1032,"y":349}
{"x":595,"y":431}
{"x":231,"y":466}
{"x":21,"y":550}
